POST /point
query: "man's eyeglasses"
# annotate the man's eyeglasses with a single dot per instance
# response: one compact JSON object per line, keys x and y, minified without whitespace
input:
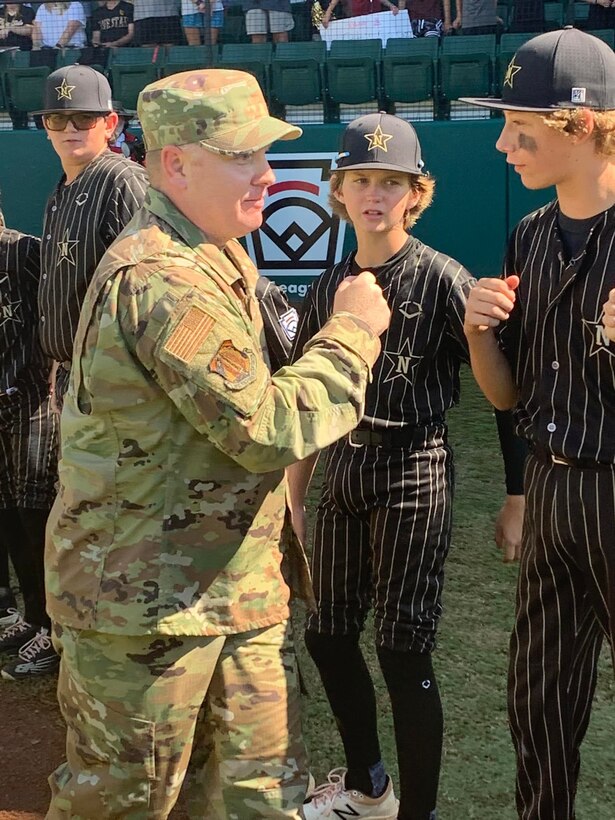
{"x":82,"y":121}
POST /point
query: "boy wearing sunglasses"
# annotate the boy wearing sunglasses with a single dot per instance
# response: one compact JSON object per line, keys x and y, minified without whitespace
{"x":93,"y":202}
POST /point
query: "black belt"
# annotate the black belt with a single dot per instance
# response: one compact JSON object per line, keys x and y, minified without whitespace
{"x":547,"y":457}
{"x":408,"y":436}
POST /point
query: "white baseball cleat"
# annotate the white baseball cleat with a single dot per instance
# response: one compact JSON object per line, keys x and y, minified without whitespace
{"x":332,"y":799}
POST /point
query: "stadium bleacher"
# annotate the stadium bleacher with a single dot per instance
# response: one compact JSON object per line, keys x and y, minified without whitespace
{"x":425,"y":74}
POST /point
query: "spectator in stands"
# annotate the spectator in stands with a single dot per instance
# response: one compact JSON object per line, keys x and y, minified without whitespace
{"x":157,"y":23}
{"x":601,"y":14}
{"x":16,"y":26}
{"x":123,"y":141}
{"x":358,"y":7}
{"x":112,"y":24}
{"x":202,"y":20}
{"x":477,"y":17}
{"x":59,"y":25}
{"x":265,"y":17}
{"x":428,"y":18}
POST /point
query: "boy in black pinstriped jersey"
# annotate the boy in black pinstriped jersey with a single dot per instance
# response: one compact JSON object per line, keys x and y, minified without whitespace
{"x":27,"y":453}
{"x":553,"y":359}
{"x":384,"y":519}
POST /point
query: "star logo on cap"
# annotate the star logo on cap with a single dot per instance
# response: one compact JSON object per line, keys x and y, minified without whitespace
{"x":65,"y":90}
{"x":378,"y":139}
{"x":510,"y":73}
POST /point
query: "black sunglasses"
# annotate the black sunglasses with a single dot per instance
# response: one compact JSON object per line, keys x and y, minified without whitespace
{"x":82,"y":121}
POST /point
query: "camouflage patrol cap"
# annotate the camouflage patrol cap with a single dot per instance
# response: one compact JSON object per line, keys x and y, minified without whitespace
{"x":222,"y":109}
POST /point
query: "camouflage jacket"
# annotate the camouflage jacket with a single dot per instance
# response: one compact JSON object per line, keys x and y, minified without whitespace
{"x":175,"y":437}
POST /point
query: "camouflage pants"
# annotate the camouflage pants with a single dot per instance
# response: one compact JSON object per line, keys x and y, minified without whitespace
{"x":140,"y":709}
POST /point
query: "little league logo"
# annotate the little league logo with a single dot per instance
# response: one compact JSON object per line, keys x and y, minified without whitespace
{"x":299,"y":236}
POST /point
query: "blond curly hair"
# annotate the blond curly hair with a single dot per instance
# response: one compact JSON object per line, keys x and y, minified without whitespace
{"x":572,"y":122}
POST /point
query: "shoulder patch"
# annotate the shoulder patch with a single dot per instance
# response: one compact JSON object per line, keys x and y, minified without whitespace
{"x":236,"y":367}
{"x":289,"y":322}
{"x":185,"y":341}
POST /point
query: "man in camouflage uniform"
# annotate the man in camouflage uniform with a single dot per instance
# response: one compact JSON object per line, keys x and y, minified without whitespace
{"x":164,"y":562}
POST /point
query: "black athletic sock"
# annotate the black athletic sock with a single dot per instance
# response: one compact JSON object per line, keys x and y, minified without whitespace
{"x":349,"y":688}
{"x":417,"y":716}
{"x":24,"y":532}
{"x":5,"y":577}
{"x":34,"y":522}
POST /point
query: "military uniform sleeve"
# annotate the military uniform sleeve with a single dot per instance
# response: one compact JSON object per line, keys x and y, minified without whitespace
{"x":205,"y":357}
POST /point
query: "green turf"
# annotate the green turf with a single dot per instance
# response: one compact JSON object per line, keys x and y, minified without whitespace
{"x":478,"y":765}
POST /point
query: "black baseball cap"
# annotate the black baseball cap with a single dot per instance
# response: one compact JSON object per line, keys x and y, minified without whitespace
{"x":380,"y":141}
{"x":558,"y":70}
{"x":76,"y":88}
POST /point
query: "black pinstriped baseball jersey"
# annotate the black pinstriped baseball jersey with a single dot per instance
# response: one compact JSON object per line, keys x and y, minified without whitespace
{"x":21,"y":356}
{"x":81,"y":221}
{"x":561,"y":359}
{"x":416,"y":377}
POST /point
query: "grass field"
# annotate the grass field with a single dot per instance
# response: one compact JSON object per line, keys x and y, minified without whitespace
{"x":478,"y":766}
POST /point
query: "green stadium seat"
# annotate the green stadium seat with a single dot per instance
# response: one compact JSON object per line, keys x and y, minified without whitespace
{"x":253,"y":58}
{"x":25,"y":87}
{"x":186,"y":58}
{"x":67,"y":56}
{"x":353,"y":71}
{"x":466,"y":66}
{"x":606,"y":34}
{"x":554,"y":14}
{"x":409,"y":68}
{"x":153,"y":55}
{"x":509,"y":43}
{"x":131,"y":69}
{"x":297,"y":73}
{"x":580,"y":13}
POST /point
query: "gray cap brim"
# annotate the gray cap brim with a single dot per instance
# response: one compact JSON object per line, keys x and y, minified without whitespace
{"x":498,"y":104}
{"x":70,"y":111}
{"x":379,"y":166}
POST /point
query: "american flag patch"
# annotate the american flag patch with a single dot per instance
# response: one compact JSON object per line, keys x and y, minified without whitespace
{"x":189,"y":335}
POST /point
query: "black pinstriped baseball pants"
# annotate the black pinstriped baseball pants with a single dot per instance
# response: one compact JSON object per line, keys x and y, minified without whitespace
{"x":565,"y":604}
{"x":381,"y":536}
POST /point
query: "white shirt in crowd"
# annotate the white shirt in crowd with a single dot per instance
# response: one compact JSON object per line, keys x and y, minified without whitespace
{"x":53,"y":19}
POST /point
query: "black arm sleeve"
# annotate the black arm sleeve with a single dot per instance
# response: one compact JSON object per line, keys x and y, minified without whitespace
{"x":514,"y":451}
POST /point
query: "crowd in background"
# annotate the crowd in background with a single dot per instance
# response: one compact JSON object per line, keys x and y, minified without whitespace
{"x":119,"y":23}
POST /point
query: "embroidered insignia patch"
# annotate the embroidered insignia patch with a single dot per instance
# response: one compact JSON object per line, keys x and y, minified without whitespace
{"x":187,"y":338}
{"x":378,"y":139}
{"x":65,"y":90}
{"x":289,"y":322}
{"x":235,"y":366}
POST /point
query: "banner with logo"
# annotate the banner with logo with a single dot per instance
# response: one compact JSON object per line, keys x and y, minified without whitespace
{"x":299,"y":236}
{"x":380,"y":26}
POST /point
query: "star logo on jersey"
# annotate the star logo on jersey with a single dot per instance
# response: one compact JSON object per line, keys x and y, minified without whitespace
{"x":65,"y":90}
{"x":599,"y":341}
{"x":410,"y":309}
{"x":9,"y":313}
{"x":66,"y":247}
{"x":511,"y":72}
{"x":378,"y":139}
{"x":402,"y":364}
